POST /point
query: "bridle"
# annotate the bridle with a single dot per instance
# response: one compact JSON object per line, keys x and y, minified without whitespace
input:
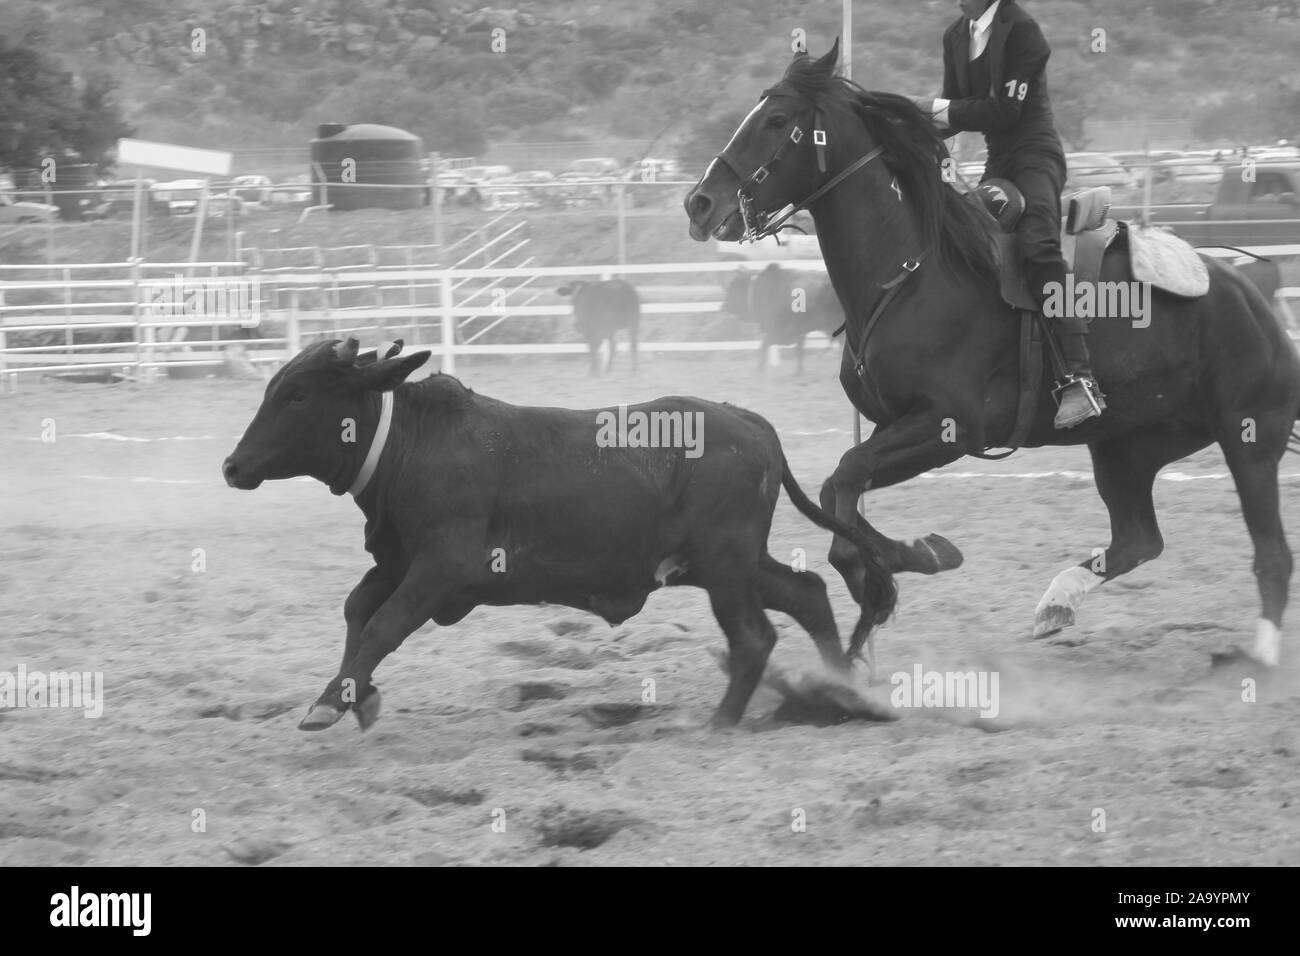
{"x":759,"y":224}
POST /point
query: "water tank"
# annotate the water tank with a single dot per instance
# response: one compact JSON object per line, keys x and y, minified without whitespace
{"x":367,"y":166}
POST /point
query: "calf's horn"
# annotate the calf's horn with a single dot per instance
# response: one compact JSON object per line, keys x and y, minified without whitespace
{"x":346,"y":352}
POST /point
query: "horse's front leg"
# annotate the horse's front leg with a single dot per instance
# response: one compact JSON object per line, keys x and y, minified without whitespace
{"x":902,"y":450}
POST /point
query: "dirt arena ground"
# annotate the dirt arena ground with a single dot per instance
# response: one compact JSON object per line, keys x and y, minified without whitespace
{"x":534,"y":716}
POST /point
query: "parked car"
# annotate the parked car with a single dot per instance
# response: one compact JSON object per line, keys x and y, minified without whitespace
{"x":543,"y":189}
{"x":1274,"y":153}
{"x":255,"y":191}
{"x":117,"y":200}
{"x":651,"y":170}
{"x":224,"y":204}
{"x":595,"y":167}
{"x":180,"y":195}
{"x":458,"y":189}
{"x":585,"y":189}
{"x":533,"y":176}
{"x":485,"y":174}
{"x":295,"y":189}
{"x":501,"y":198}
{"x":1097,"y":169}
{"x":1218,"y":156}
{"x":22,"y":210}
{"x":1185,"y":171}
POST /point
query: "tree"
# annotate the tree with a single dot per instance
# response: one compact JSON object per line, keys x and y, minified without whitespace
{"x":44,"y":113}
{"x":97,"y":125}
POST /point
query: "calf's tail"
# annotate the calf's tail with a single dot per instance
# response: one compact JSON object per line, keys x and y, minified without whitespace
{"x":880,"y":592}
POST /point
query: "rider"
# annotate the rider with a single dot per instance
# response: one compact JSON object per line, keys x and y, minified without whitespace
{"x":995,"y":82}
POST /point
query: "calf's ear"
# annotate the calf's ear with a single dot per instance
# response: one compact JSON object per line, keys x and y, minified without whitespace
{"x":387,"y":375}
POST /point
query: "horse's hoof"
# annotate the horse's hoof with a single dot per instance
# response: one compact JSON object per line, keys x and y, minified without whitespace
{"x":1236,"y":654}
{"x":946,"y":555}
{"x":368,"y":710}
{"x":320,"y":717}
{"x":1053,"y":618}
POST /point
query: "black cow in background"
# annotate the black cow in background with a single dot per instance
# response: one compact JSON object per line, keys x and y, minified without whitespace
{"x":786,"y":305}
{"x":600,"y":309}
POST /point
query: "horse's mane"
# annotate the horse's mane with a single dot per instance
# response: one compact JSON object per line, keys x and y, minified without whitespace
{"x":953,"y":228}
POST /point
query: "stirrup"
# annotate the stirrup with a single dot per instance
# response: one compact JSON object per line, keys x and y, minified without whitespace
{"x":1091,"y":390}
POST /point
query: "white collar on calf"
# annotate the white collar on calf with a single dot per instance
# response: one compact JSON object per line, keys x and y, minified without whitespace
{"x":376,"y":445}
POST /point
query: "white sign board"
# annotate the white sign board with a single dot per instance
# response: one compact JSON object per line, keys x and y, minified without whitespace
{"x":141,"y":152}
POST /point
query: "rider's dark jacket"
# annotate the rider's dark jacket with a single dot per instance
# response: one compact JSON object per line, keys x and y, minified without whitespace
{"x":1002,"y":94}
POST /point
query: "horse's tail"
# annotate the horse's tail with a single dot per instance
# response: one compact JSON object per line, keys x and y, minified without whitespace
{"x":880,"y":592}
{"x":1293,"y":443}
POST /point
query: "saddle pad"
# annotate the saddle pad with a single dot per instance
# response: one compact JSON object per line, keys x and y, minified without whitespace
{"x":1167,"y":262}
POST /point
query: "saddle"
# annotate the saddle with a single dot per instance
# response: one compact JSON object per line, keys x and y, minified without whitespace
{"x":1156,"y":256}
{"x":1086,"y":233}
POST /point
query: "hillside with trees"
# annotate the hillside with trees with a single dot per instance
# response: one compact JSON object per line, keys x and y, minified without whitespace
{"x":676,"y":75}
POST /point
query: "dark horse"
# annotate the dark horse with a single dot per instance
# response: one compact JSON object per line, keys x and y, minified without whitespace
{"x":939,"y":371}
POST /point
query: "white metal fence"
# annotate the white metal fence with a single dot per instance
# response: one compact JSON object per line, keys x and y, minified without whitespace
{"x":111,"y":321}
{"x":105,"y":317}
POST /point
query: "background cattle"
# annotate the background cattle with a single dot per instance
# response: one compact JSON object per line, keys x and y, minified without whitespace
{"x":600,"y":310}
{"x":786,"y":305}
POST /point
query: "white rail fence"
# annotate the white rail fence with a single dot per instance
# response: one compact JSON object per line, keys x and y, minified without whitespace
{"x":447,"y":310}
{"x":73,"y":314}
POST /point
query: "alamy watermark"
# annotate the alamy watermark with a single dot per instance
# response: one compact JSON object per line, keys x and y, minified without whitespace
{"x":922,"y":688}
{"x":642,"y":429}
{"x":129,"y":910}
{"x":233,"y":300}
{"x":72,"y":689}
{"x":1099,"y":300}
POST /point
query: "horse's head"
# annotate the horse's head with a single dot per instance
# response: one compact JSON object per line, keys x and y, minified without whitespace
{"x":772,"y":158}
{"x":807,"y":136}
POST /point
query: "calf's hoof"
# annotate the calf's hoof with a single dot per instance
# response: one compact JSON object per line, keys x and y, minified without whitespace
{"x":720,"y":721}
{"x":320,"y":717}
{"x":367,"y":711}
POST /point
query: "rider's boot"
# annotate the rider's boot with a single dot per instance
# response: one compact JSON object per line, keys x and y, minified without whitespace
{"x":1079,"y":397}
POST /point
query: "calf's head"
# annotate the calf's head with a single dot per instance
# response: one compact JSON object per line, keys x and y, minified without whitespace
{"x":312,"y":415}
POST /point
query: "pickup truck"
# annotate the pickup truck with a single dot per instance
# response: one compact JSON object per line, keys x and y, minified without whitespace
{"x":1256,"y":205}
